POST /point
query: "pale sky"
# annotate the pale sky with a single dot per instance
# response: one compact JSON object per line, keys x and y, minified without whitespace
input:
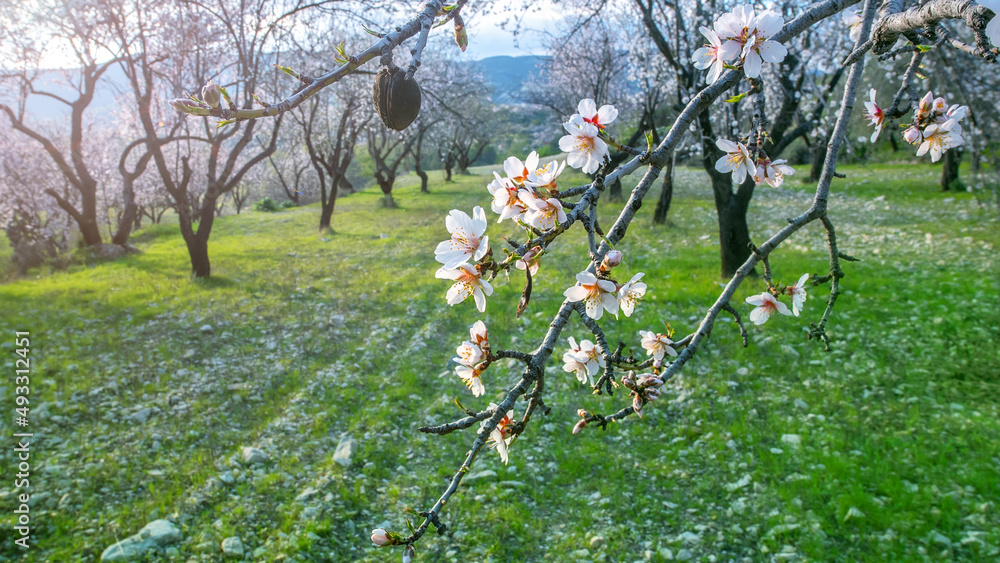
{"x":486,"y":36}
{"x":487,"y":39}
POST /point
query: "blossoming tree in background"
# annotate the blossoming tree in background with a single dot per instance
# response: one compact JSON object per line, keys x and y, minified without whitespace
{"x":534,"y":208}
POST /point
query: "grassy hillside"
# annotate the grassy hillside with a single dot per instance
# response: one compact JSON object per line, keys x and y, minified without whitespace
{"x":884,"y":449}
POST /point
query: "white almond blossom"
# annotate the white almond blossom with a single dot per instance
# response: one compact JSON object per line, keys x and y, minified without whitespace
{"x":736,"y":160}
{"x":518,"y":171}
{"x":853,"y":19}
{"x":759,"y":47}
{"x":875,"y":114}
{"x":585,"y":359}
{"x":798,"y":293}
{"x":586,"y":149}
{"x":468,"y":354}
{"x":714,"y":55}
{"x":750,"y":36}
{"x":599,"y":118}
{"x":657,"y":345}
{"x":542,"y":214}
{"x":468,"y":281}
{"x":630,"y":293}
{"x":473,"y":351}
{"x":505,"y":200}
{"x":471,"y":377}
{"x":501,"y":436}
{"x":772,"y":171}
{"x":467,"y":241}
{"x":596,"y":294}
{"x":938,"y":138}
{"x":479,"y":335}
{"x":766,"y":305}
{"x":545,"y":177}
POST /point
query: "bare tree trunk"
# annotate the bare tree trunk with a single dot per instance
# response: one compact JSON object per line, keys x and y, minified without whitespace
{"x":949,"y":170}
{"x":734,"y":235}
{"x":666,"y":194}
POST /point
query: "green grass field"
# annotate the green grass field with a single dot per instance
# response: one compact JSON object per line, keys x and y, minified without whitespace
{"x":885,"y":449}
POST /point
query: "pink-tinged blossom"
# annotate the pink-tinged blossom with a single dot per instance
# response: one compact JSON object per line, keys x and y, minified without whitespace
{"x":545,"y":177}
{"x":468,"y":281}
{"x":380,"y":537}
{"x":766,"y":305}
{"x":501,"y":436}
{"x":596,"y":294}
{"x":584,"y":359}
{"x":611,"y":259}
{"x":940,"y":138}
{"x":657,"y":345}
{"x":586,"y":149}
{"x":798,"y":293}
{"x":518,"y":171}
{"x":542,"y":213}
{"x":874,"y":114}
{"x":505,"y":200}
{"x":714,"y":55}
{"x":530,"y":260}
{"x":599,"y":118}
{"x":912,"y":135}
{"x":759,"y":46}
{"x":772,"y":171}
{"x":630,"y":293}
{"x":467,"y":242}
{"x":736,"y":160}
{"x":471,"y":377}
{"x":926,"y":106}
{"x":940,"y":105}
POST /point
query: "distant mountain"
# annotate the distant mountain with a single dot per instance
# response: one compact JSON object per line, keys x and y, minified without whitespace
{"x":507,"y":74}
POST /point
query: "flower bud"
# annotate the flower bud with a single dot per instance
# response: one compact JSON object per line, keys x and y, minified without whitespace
{"x":649,"y":381}
{"x":582,"y":413}
{"x":912,"y":135}
{"x":637,"y":405}
{"x":211,"y":94}
{"x":408,"y":553}
{"x":579,"y":426}
{"x":940,"y":105}
{"x":627,"y":381}
{"x":926,"y":104}
{"x":380,"y":537}
{"x":652,"y":394}
{"x":611,"y":259}
{"x":190,"y":107}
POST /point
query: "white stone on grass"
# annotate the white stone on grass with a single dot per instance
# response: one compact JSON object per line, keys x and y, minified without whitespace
{"x":345,"y":449}
{"x":233,"y":547}
{"x":158,"y":533}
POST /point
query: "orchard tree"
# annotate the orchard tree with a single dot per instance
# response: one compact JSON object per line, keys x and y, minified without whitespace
{"x":743,"y":41}
{"x":331,"y":130}
{"x":68,"y":146}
